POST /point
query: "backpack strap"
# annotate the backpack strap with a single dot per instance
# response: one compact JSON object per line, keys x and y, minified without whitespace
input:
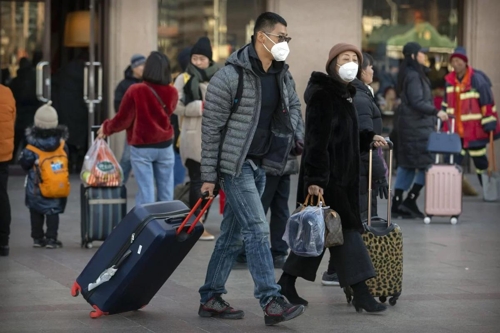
{"x":34,"y":149}
{"x":239,"y":90}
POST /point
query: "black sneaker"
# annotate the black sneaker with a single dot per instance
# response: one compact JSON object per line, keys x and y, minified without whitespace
{"x":4,"y":250}
{"x":279,"y":310}
{"x":217,"y":307}
{"x":39,"y":242}
{"x":330,"y":279}
{"x":53,"y":244}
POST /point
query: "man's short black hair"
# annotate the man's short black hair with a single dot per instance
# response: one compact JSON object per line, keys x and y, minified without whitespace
{"x":266,"y":22}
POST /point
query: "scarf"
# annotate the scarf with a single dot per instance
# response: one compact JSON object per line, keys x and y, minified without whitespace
{"x":192,"y":90}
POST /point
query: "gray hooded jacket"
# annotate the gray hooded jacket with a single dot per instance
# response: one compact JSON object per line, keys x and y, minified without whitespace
{"x":243,"y":123}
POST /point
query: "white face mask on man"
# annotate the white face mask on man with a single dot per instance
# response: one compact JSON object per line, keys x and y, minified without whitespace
{"x":348,"y":71}
{"x":279,"y":51}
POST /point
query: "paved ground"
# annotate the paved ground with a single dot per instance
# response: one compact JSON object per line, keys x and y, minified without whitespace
{"x":451,"y":276}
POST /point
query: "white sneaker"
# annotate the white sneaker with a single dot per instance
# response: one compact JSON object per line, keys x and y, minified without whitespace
{"x":207,"y":236}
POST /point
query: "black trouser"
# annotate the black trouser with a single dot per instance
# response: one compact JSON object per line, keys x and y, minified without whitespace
{"x":195,"y":183}
{"x":19,"y":137}
{"x":37,"y":221}
{"x":351,"y":260}
{"x":5,"y":216}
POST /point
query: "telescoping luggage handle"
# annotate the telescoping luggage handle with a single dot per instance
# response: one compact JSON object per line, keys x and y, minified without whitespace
{"x":200,"y":215}
{"x":370,"y":177}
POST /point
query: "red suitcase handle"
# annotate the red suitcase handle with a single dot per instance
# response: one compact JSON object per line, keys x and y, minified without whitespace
{"x":202,"y":212}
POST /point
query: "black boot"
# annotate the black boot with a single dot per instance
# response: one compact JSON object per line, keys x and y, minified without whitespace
{"x":287,"y":283}
{"x":397,"y":199}
{"x":410,"y":204}
{"x":363,"y":300}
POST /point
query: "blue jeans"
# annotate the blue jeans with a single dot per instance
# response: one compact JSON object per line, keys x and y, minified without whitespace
{"x":153,"y":166}
{"x":243,"y":219}
{"x":405,"y":177}
{"x":179,"y":170}
{"x":125,"y":163}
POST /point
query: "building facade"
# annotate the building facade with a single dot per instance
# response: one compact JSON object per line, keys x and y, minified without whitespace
{"x":379,"y":27}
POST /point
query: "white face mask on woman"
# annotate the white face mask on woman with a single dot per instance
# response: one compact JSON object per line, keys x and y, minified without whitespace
{"x":348,"y":71}
{"x":279,"y":50}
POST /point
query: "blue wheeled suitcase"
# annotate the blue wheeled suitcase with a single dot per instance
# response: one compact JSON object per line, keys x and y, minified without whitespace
{"x":139,"y":256}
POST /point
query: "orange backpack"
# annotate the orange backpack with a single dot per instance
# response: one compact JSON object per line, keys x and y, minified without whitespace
{"x":52,"y":171}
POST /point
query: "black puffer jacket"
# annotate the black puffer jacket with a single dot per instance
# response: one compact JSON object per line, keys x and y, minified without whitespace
{"x":370,"y":119}
{"x":46,"y":140}
{"x":416,"y":121}
{"x":123,"y":86}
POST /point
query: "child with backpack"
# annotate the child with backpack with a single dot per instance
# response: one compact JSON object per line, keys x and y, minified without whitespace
{"x":45,"y":158}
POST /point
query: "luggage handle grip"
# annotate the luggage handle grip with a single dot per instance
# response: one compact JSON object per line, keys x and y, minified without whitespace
{"x":389,"y":144}
{"x":200,"y":215}
{"x":389,"y":182}
{"x":175,"y":219}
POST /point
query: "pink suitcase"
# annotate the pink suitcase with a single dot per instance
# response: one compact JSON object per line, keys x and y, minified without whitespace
{"x":443,"y":192}
{"x":443,"y":188}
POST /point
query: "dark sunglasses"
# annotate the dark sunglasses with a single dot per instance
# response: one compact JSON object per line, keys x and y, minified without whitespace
{"x":281,"y":38}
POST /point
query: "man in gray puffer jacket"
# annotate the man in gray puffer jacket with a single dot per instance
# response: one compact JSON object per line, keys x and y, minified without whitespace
{"x":238,"y":148}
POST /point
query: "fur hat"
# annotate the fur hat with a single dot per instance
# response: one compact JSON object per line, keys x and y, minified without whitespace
{"x":459,"y":52}
{"x":46,"y":117}
{"x":340,"y":48}
{"x":202,"y":47}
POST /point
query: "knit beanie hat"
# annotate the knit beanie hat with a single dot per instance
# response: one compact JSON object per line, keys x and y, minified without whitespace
{"x":46,"y":117}
{"x":137,"y":60}
{"x":340,"y":48}
{"x":203,"y":47}
{"x":459,"y":52}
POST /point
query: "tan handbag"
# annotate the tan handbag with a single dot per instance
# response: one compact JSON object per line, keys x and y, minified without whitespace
{"x":333,"y":224}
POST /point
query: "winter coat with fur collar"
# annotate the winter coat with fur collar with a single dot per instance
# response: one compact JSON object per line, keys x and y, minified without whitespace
{"x":332,"y":147}
{"x":46,"y":140}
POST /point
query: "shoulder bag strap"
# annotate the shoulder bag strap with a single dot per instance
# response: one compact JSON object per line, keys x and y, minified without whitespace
{"x":157,"y":97}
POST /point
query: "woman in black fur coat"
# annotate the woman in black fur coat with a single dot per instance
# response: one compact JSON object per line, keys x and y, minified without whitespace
{"x":330,"y":166}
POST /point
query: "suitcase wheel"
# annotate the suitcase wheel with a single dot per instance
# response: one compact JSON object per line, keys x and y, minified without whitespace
{"x":88,"y":245}
{"x":393,"y":301}
{"x":382,"y":299}
{"x":75,"y":289}
{"x":454,"y":220}
{"x":97,"y":312}
{"x":427,"y":219}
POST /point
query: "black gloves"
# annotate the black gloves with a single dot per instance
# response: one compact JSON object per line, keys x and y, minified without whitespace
{"x":382,"y":188}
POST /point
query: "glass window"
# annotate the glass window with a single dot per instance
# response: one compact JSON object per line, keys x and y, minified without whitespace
{"x":389,"y":24}
{"x":21,"y":34}
{"x":228,"y":24}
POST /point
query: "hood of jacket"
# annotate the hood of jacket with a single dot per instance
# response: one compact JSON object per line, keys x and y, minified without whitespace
{"x":321,"y":81}
{"x":46,"y":139}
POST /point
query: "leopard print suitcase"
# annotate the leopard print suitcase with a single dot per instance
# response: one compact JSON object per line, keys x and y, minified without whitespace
{"x":384,"y":242}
